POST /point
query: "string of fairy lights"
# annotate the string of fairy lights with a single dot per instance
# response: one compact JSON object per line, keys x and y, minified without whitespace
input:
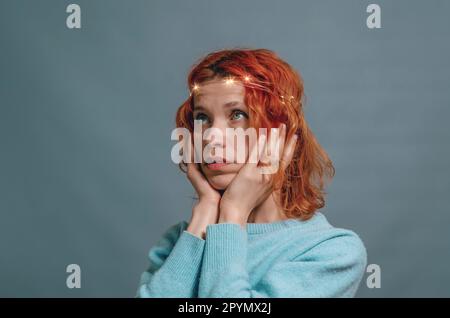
{"x":250,"y":82}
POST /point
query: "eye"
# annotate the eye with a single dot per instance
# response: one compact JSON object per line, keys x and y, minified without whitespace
{"x":238,"y":115}
{"x":203,"y":117}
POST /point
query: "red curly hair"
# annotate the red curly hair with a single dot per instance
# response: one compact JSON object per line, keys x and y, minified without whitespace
{"x":276,"y":97}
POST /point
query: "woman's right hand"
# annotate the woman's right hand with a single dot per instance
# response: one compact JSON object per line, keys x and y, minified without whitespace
{"x":206,"y":210}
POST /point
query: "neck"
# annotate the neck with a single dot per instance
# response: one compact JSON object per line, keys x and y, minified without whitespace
{"x":267,"y":212}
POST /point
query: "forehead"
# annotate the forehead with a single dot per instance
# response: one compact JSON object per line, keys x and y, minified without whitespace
{"x":218,"y":90}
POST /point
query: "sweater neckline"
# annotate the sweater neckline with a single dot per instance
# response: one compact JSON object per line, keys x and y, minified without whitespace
{"x":259,"y":228}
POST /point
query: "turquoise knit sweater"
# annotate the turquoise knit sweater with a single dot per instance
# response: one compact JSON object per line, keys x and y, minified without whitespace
{"x":289,"y":258}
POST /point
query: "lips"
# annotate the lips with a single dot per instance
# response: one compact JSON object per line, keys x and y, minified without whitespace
{"x":216,"y":166}
{"x":216,"y":159}
{"x":217,"y":163}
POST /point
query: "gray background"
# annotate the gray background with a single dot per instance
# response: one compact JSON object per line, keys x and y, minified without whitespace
{"x":86,"y":116}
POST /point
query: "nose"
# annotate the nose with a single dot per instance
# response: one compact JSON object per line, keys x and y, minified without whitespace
{"x":215,"y":137}
{"x":218,"y":129}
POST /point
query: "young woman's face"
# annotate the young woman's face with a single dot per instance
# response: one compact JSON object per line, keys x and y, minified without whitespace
{"x":220,"y":104}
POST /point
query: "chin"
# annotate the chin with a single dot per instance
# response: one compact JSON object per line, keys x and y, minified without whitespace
{"x":222,"y":181}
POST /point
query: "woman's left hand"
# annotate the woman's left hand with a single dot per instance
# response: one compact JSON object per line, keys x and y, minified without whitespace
{"x":251,"y":186}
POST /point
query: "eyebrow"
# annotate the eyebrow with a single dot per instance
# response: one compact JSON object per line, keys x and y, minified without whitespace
{"x":226,"y":105}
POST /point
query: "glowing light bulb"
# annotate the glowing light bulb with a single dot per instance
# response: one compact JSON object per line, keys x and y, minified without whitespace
{"x":229,"y":81}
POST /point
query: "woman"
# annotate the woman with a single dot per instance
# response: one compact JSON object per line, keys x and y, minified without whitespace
{"x":254,"y":234}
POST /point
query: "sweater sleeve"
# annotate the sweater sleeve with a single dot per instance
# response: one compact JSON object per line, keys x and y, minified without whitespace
{"x":332,"y":268}
{"x":174,"y":265}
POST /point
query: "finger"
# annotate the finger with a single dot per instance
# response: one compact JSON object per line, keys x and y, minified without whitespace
{"x":272,"y":146}
{"x":195,"y":176}
{"x":282,"y":140}
{"x":188,"y":154}
{"x":276,"y":144}
{"x":268,"y":164}
{"x":257,"y":151}
{"x":288,"y":152}
{"x":192,"y":171}
{"x":262,"y":147}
